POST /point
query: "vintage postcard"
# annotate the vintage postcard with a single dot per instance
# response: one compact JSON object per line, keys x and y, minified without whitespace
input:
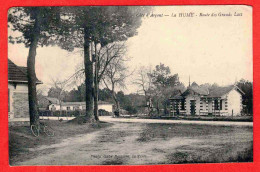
{"x":130,"y":85}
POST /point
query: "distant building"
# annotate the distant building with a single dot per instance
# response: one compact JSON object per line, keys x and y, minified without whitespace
{"x":196,"y":100}
{"x":18,"y":106}
{"x":54,"y":105}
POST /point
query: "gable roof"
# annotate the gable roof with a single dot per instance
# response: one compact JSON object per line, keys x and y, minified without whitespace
{"x":52,"y":100}
{"x":220,"y":91}
{"x":176,"y":97}
{"x":203,"y":91}
{"x":18,"y":73}
{"x":196,"y":89}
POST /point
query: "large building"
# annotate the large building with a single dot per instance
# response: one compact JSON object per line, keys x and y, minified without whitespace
{"x":18,"y":106}
{"x":197,"y":100}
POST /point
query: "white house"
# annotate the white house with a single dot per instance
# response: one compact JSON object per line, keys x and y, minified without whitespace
{"x":196,"y":100}
{"x":78,"y":106}
{"x":18,"y":106}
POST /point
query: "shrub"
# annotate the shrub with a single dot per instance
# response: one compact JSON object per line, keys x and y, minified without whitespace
{"x":103,"y":112}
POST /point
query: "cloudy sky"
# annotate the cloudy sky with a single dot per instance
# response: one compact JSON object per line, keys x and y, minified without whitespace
{"x":210,"y":49}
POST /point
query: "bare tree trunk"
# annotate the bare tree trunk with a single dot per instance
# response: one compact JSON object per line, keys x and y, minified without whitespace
{"x":157,"y":108}
{"x":96,"y":87}
{"x":116,"y":100}
{"x":88,"y":78}
{"x":117,"y":103}
{"x":34,"y":115}
{"x":96,"y":101}
{"x":60,"y":111}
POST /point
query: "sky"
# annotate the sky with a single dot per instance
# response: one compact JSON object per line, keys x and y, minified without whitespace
{"x":209,"y":49}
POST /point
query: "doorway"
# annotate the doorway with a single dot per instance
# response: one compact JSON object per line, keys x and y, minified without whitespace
{"x":192,"y":107}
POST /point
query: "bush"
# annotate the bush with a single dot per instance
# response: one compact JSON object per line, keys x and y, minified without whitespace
{"x":102,"y":112}
{"x":131,"y":109}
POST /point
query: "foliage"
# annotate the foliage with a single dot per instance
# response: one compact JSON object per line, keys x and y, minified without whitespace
{"x":247,"y":88}
{"x":37,"y":26}
{"x":165,"y":86}
{"x":22,"y":19}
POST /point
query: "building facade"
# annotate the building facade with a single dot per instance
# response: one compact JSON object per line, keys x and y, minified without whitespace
{"x":196,"y":100}
{"x":18,"y":106}
{"x":70,"y":106}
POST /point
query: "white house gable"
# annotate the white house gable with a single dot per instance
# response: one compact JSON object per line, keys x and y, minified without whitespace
{"x":234,"y":99}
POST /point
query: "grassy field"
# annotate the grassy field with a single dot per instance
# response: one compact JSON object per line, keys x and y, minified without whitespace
{"x":21,"y":140}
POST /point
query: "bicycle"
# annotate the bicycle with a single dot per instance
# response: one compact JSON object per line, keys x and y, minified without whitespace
{"x":42,"y":127}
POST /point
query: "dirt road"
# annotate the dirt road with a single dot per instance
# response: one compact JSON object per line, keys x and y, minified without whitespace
{"x":163,"y":121}
{"x":139,"y":143}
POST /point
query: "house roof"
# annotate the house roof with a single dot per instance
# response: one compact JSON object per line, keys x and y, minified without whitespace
{"x":220,"y":91}
{"x":18,"y":73}
{"x":216,"y":92}
{"x":196,"y":89}
{"x":78,"y":103}
{"x":52,"y":100}
{"x":73,"y":103}
{"x":177,"y":97}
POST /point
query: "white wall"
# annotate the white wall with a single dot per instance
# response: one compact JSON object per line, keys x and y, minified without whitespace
{"x":107,"y":107}
{"x":234,"y":99}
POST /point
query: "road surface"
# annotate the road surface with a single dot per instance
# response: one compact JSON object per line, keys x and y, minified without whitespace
{"x":137,"y":143}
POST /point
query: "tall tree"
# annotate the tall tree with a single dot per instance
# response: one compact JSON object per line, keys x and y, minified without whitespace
{"x":101,"y":25}
{"x":115,"y":76}
{"x":37,"y":26}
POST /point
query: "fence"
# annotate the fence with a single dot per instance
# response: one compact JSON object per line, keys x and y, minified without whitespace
{"x":62,"y":113}
{"x":70,"y":113}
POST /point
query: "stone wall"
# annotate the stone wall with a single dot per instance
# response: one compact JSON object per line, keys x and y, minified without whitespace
{"x":20,"y":105}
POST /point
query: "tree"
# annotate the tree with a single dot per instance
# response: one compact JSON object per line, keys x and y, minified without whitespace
{"x":164,"y":84}
{"x":115,"y":76}
{"x":104,"y":57}
{"x":158,"y":85}
{"x":144,"y":82}
{"x":37,"y":26}
{"x":105,"y":95}
{"x":58,"y":91}
{"x":247,"y":88}
{"x":99,"y":25}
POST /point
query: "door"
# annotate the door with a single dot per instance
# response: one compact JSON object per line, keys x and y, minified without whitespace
{"x":192,"y":107}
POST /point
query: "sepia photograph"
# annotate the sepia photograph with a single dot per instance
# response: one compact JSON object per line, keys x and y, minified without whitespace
{"x":130,"y":85}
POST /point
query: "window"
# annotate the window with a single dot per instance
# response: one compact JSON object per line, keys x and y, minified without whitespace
{"x":182,"y":104}
{"x":220,"y":105}
{"x":216,"y":104}
{"x":68,"y":108}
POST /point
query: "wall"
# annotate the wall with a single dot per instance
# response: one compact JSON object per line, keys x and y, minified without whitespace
{"x":188,"y":99}
{"x":234,"y":99}
{"x":107,"y":107}
{"x":18,"y":99}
